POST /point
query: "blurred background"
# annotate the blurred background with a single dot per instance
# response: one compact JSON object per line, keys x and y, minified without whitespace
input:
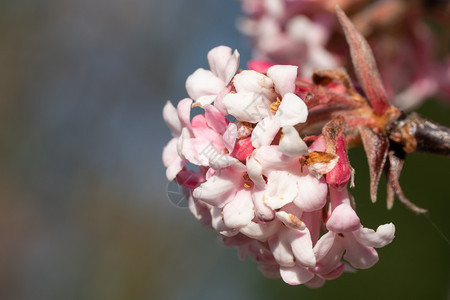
{"x":84,"y":212}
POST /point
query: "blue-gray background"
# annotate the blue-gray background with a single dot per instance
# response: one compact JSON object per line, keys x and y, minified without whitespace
{"x":83,"y":206}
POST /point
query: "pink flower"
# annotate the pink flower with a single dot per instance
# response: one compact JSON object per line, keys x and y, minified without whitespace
{"x":349,"y":236}
{"x":287,"y":180}
{"x":229,"y":189}
{"x":176,"y":119}
{"x":209,"y":140}
{"x":205,"y":85}
{"x":258,"y":183}
{"x":292,"y":247}
{"x":269,"y":101}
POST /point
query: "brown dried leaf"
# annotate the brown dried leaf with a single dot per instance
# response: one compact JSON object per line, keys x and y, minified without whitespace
{"x":320,"y":163}
{"x":316,"y":157}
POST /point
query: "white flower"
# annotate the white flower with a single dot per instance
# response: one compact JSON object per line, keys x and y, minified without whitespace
{"x":204,"y":85}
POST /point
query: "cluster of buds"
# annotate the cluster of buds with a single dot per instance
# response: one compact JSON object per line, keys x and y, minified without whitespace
{"x":414,"y":62}
{"x":279,"y":197}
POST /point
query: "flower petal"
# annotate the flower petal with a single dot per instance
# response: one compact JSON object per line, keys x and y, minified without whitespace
{"x":324,"y":245}
{"x":281,"y":189}
{"x":200,"y":211}
{"x":292,"y":110}
{"x":252,"y":81}
{"x":260,"y":231}
{"x":172,"y":161}
{"x":202,"y":152}
{"x":185,"y":135}
{"x":170,"y":116}
{"x":215,"y":119}
{"x":229,"y":137}
{"x":328,"y":251}
{"x":358,"y":255}
{"x":302,"y":248}
{"x":281,"y":250}
{"x":295,"y":275}
{"x":335,"y":273}
{"x":201,"y":129}
{"x":380,"y":238}
{"x":205,"y":100}
{"x":220,"y":188}
{"x":265,"y":131}
{"x":271,"y":159}
{"x":291,"y":144}
{"x":197,"y":150}
{"x":262,"y":211}
{"x":218,"y":101}
{"x":312,"y":193}
{"x":284,"y":78}
{"x":239,"y":212}
{"x":222,"y":161}
{"x":254,"y":171}
{"x":184,"y":112}
{"x":290,"y":220}
{"x":218,"y":224}
{"x":222,"y":63}
{"x":170,"y":152}
{"x":175,"y":167}
{"x":247,"y":106}
{"x":203,"y":83}
{"x":343,"y":219}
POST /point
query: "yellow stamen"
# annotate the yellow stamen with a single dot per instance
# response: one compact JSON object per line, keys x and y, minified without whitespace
{"x":274,"y":106}
{"x":248,"y":182}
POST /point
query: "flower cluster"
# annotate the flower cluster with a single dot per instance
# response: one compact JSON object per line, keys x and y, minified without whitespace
{"x":306,"y":33}
{"x":280,"y":198}
{"x":291,"y":31}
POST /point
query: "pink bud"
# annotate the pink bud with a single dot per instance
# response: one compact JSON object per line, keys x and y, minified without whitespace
{"x":260,"y":66}
{"x":341,"y":173}
{"x":243,"y":149}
